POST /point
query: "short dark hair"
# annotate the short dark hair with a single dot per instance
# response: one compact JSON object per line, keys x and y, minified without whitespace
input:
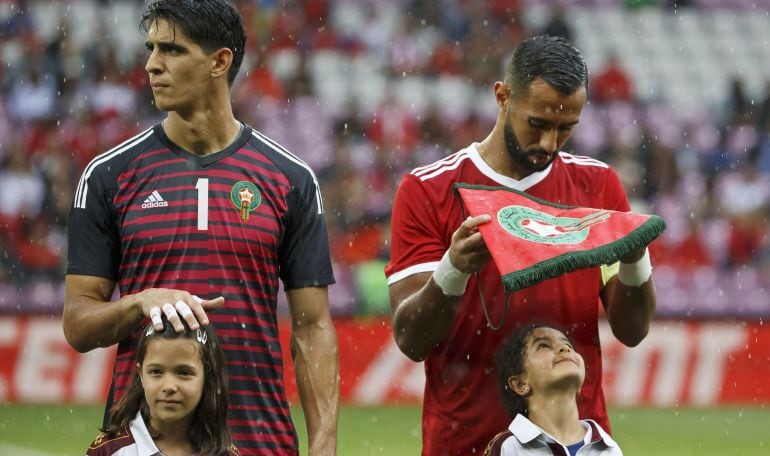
{"x":212,"y":24}
{"x":208,"y":430}
{"x":551,"y":58}
{"x":509,"y":361}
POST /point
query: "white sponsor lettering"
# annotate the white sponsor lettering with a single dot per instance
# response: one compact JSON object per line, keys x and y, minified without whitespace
{"x":390,"y":369}
{"x":155,"y":204}
{"x":661,"y":361}
{"x":632,"y":366}
{"x":716,"y":343}
{"x":46,"y":368}
{"x":678,"y":363}
{"x":43,"y":361}
{"x":91,"y":372}
{"x":9,"y":333}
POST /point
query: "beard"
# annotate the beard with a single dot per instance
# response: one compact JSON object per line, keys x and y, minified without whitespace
{"x":520,"y":156}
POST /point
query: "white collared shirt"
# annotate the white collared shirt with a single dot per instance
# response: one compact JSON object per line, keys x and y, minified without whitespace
{"x":529,"y":439}
{"x":143,"y":444}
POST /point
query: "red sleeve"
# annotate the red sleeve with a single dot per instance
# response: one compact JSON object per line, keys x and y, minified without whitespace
{"x":415,"y":234}
{"x":614,"y":194}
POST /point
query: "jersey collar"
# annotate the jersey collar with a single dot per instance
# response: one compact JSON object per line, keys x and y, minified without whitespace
{"x":144,"y":443}
{"x":521,"y":185}
{"x":526,"y":431}
{"x":205,"y":160}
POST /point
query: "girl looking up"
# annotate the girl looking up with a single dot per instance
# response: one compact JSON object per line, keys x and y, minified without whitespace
{"x":540,"y":376}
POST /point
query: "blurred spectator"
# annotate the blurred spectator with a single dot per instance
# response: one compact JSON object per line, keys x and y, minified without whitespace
{"x":33,"y":96}
{"x":60,"y":174}
{"x":612,"y":83}
{"x":674,"y":4}
{"x":365,"y":91}
{"x":298,"y":121}
{"x":682,"y":204}
{"x":109,"y":94}
{"x":22,"y":189}
{"x":411,"y":47}
{"x":737,"y":107}
{"x":482,"y":54}
{"x":620,"y":154}
{"x":9,"y":261}
{"x":557,"y":24}
{"x":258,"y":81}
{"x":763,"y":111}
{"x":744,"y":197}
{"x":762,"y":151}
{"x":40,"y":252}
{"x":434,"y":139}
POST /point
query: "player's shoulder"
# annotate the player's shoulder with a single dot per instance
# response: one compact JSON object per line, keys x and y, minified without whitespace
{"x":582,"y":163}
{"x":106,"y":444}
{"x":439,"y":177}
{"x":115,"y":159}
{"x":444,"y":169}
{"x":280,"y":156}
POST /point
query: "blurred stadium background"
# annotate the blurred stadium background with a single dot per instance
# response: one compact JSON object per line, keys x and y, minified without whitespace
{"x":365,"y":90}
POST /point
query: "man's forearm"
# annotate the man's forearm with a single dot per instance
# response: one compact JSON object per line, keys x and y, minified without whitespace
{"x":93,"y":324}
{"x":314,"y":348}
{"x":423,"y":320}
{"x":630,"y":311}
{"x":91,"y":320}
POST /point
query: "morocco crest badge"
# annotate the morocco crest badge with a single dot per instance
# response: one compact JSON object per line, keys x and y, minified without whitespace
{"x":246,"y":197}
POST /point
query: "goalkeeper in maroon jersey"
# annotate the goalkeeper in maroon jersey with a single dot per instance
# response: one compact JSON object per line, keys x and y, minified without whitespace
{"x":198,"y":218}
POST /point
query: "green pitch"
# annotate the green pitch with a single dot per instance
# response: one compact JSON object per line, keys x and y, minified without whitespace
{"x":395,"y":430}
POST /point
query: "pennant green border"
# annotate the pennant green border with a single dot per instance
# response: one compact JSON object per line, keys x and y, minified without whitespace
{"x":568,"y":262}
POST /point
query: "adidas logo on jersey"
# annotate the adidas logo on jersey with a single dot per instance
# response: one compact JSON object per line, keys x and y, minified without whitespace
{"x":154,"y":200}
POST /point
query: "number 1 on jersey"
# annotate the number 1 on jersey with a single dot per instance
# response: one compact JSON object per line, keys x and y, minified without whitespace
{"x":203,"y":203}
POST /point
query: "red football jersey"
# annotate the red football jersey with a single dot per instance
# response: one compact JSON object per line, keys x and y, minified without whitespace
{"x":462,"y":407}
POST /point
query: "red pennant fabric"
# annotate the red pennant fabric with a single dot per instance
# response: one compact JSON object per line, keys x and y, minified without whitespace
{"x":532,"y":240}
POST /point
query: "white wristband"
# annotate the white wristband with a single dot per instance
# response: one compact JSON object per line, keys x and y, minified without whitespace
{"x":637,"y":273}
{"x":451,"y":280}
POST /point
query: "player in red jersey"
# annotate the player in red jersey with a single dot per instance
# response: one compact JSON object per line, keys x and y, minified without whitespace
{"x":439,"y":263}
{"x":202,"y":213}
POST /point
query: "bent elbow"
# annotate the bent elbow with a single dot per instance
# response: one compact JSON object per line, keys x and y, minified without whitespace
{"x":632,"y":340}
{"x":408,"y":349}
{"x":630,"y":343}
{"x":79,"y":345}
{"x":75,"y":338}
{"x":414,"y":356}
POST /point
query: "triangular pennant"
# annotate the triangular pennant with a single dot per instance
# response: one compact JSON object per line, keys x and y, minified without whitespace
{"x":532,"y":240}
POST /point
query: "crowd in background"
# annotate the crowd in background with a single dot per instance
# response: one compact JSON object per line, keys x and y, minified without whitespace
{"x":63,"y":101}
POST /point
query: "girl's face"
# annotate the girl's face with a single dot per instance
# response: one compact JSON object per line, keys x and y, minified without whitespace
{"x":551,"y":362}
{"x":172,"y":377}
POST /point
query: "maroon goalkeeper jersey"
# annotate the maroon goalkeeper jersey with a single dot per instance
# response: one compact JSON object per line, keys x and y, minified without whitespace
{"x":149,"y":214}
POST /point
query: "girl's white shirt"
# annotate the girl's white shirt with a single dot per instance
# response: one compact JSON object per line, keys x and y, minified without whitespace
{"x":143,"y":444}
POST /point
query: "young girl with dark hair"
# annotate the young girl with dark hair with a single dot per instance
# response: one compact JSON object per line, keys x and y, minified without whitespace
{"x":540,"y":376}
{"x":176,"y":403}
